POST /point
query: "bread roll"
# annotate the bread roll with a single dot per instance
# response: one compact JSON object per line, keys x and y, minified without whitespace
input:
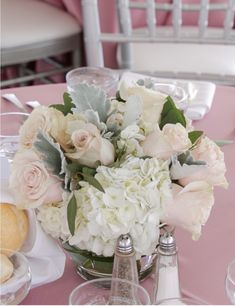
{"x":14,"y":227}
{"x":6,"y":268}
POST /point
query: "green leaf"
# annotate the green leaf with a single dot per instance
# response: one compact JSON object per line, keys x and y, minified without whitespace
{"x":50,"y":152}
{"x":87,"y":254}
{"x":118,"y":97}
{"x":71,"y":214}
{"x":74,"y":168}
{"x":194,"y":136}
{"x":92,"y":181}
{"x":89,"y":171}
{"x":65,"y":108}
{"x":171,"y":114}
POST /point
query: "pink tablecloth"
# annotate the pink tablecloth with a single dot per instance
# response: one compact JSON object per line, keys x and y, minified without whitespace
{"x":202,"y":263}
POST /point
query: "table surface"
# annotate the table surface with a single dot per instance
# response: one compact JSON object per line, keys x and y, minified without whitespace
{"x":202,"y":263}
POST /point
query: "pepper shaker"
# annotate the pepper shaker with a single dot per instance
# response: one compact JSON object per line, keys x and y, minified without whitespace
{"x":124,"y":267}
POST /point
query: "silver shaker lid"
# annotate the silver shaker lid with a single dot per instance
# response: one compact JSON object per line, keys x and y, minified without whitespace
{"x":125,"y":244}
{"x":167,"y":244}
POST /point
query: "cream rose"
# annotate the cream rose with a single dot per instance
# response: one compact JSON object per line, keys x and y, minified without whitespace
{"x":189,"y":207}
{"x":162,"y":144}
{"x":208,"y":151}
{"x":90,"y":147}
{"x":45,"y":118}
{"x":153,"y":101}
{"x":31,"y":183}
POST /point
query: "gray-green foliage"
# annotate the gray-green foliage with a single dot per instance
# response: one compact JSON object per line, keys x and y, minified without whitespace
{"x":133,"y":110}
{"x":184,"y":165}
{"x":147,"y":82}
{"x":50,"y":153}
{"x":89,"y":97}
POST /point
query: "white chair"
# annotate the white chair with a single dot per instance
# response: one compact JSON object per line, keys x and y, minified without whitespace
{"x":195,"y":52}
{"x":33,"y":30}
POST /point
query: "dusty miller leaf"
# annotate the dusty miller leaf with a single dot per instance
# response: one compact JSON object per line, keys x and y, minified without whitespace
{"x":50,"y":152}
{"x":93,"y":117}
{"x":187,"y":158}
{"x":133,"y":111}
{"x":184,"y":166}
{"x":91,"y":97}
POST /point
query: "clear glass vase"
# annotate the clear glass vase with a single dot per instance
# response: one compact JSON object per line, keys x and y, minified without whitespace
{"x":90,"y":266}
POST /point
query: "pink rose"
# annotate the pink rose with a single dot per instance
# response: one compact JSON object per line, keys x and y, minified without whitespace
{"x":208,"y":151}
{"x":162,"y":144}
{"x":91,"y":147}
{"x":31,"y":183}
{"x":189,"y":207}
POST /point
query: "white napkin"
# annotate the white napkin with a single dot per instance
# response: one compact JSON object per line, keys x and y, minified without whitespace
{"x":200,"y":93}
{"x":46,"y":258}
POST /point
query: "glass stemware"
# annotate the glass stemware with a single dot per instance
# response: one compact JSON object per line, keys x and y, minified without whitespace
{"x":230,"y":282}
{"x":9,"y":133}
{"x":105,"y":78}
{"x":97,"y":292}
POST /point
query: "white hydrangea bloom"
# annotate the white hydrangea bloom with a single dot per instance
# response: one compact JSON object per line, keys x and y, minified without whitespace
{"x":132,"y":203}
{"x":130,"y":139}
{"x":53,"y":220}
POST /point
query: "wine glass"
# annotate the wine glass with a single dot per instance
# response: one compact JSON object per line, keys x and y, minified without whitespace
{"x":9,"y":133}
{"x":98,"y":292}
{"x":230,"y":281}
{"x":105,"y":78}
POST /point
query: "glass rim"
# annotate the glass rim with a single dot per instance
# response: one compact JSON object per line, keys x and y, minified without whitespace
{"x":99,"y":280}
{"x":12,"y":113}
{"x":20,"y":255}
{"x":109,"y":71}
{"x":229,"y":276}
{"x":191,"y":301}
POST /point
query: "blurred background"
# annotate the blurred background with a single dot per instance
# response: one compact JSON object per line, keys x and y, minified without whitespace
{"x":41,"y":40}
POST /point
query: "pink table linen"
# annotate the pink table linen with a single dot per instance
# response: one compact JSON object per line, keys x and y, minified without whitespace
{"x":202,"y":263}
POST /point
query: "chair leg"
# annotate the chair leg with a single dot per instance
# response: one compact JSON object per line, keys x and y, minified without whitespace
{"x":21,"y":71}
{"x":76,"y":58}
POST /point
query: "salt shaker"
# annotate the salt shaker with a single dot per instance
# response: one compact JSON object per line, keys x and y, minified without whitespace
{"x":167,"y":277}
{"x":124,"y":267}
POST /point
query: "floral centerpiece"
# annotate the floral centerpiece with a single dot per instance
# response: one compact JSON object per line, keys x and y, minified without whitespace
{"x":95,"y":168}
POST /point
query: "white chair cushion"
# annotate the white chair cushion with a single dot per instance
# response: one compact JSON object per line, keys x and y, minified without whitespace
{"x":27,"y":22}
{"x":181,"y":57}
{"x":173,"y":57}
